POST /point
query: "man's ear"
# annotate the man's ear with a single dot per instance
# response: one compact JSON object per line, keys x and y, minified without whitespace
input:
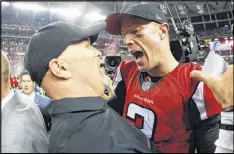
{"x":164,"y":30}
{"x":59,"y":68}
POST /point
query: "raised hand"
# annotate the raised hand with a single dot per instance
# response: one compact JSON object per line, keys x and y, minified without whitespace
{"x":221,"y":86}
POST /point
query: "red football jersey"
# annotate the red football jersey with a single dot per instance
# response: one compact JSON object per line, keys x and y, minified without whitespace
{"x":161,"y":112}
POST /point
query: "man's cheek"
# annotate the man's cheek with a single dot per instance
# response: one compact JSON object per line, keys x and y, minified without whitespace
{"x":152,"y":41}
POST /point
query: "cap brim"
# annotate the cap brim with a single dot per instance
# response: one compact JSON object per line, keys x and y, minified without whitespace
{"x":113,"y":24}
{"x":93,"y":30}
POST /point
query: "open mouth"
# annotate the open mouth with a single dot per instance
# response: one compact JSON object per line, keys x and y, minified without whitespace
{"x":138,"y":54}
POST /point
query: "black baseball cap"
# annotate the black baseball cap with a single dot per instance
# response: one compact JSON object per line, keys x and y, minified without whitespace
{"x":50,"y":41}
{"x":144,"y":10}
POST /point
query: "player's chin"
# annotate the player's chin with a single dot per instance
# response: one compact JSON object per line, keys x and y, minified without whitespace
{"x":142,"y":68}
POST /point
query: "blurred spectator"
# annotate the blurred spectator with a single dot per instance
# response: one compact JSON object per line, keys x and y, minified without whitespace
{"x":23,"y":130}
{"x":28,"y":88}
{"x":42,"y":101}
{"x":13,"y":83}
{"x":39,"y":90}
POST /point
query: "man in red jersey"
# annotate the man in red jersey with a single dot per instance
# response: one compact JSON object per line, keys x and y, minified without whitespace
{"x":156,"y":93}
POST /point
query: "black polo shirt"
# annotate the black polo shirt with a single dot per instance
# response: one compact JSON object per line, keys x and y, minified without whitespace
{"x":89,"y":125}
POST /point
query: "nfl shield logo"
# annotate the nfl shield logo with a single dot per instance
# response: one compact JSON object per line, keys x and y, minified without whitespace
{"x":145,"y":86}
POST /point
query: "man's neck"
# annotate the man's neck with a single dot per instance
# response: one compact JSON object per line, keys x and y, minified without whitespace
{"x":69,"y":93}
{"x":31,"y":94}
{"x":166,"y":66}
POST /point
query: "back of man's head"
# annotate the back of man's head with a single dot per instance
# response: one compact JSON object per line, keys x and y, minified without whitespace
{"x":5,"y":71}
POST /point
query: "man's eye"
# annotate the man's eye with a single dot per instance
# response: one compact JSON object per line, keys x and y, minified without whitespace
{"x":134,"y":31}
{"x":139,"y":35}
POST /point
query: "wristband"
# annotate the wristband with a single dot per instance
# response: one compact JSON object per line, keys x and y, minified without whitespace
{"x":228,"y":109}
{"x":226,"y":127}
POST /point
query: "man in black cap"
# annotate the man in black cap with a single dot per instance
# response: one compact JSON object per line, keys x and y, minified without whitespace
{"x":62,"y":61}
{"x":154,"y":92}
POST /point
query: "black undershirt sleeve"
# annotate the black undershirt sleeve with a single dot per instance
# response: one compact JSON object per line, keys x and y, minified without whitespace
{"x":117,"y":101}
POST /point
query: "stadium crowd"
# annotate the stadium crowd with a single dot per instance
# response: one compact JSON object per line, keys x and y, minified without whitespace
{"x":12,"y":44}
{"x":27,"y":29}
{"x":15,"y":36}
{"x":215,"y":33}
{"x":24,"y":25}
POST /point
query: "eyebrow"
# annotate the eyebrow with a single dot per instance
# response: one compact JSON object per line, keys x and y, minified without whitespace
{"x":137,"y":29}
{"x":140,"y":27}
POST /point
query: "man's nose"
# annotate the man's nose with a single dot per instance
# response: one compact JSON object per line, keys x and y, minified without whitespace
{"x":128,"y":40}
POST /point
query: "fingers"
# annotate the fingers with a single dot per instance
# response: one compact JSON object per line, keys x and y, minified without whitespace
{"x":202,"y":76}
{"x":230,"y":67}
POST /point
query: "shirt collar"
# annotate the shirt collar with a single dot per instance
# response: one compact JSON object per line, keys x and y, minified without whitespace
{"x":32,"y":95}
{"x":68,"y":105}
{"x":7,"y":98}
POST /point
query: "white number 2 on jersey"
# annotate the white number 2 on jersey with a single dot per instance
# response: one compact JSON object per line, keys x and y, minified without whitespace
{"x":143,"y":118}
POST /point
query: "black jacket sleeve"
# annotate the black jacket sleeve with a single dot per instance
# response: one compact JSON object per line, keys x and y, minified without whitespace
{"x":46,"y":117}
{"x":117,"y":101}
